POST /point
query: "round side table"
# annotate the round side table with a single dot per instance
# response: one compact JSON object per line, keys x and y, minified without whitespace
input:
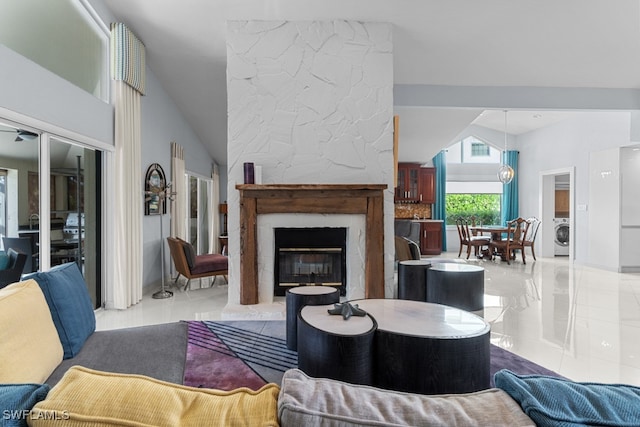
{"x":412,"y":279}
{"x":331,"y":347}
{"x":298,"y":297}
{"x":456,"y":285}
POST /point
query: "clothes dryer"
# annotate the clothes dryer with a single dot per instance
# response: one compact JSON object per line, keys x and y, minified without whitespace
{"x":561,"y":236}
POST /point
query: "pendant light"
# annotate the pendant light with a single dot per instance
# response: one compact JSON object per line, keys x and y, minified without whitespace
{"x":506,"y":172}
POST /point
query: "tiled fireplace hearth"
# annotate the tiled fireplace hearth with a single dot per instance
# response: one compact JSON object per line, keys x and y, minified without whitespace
{"x":340,"y":199}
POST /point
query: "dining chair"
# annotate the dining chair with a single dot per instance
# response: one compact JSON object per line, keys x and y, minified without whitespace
{"x":14,"y":269}
{"x":514,"y":241}
{"x":474,"y":232}
{"x":468,"y":240}
{"x":22,"y":244}
{"x":530,"y":238}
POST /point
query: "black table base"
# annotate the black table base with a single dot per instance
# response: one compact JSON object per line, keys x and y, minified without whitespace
{"x":340,"y":357}
{"x":294,"y":302}
{"x":445,"y":365}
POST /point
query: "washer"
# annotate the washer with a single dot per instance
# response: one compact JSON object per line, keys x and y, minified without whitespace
{"x":561,"y":236}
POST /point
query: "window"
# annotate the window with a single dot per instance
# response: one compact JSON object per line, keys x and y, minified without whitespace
{"x":479,"y":149}
{"x":60,"y":36}
{"x":472,"y":150}
{"x":200,"y":220}
{"x":484,"y":207}
{"x":472,"y":198}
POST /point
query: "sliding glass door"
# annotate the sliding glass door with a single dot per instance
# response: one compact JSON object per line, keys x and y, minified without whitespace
{"x":50,"y":202}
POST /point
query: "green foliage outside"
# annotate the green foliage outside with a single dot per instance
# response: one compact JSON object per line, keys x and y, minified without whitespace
{"x":485,"y":207}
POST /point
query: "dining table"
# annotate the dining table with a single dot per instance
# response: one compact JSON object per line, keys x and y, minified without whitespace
{"x":496,"y":232}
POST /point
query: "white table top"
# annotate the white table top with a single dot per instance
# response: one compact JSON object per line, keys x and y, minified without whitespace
{"x":312,"y":290}
{"x":415,"y":262}
{"x":318,"y":317}
{"x":423,"y":319}
{"x":455,"y":267}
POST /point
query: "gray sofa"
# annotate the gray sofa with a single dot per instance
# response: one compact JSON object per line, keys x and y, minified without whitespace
{"x":135,"y":376}
{"x":157,"y":351}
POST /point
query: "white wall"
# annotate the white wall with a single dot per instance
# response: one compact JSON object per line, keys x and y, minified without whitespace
{"x":310,"y":102}
{"x":604,"y":193}
{"x":162,"y":123}
{"x":564,"y":145}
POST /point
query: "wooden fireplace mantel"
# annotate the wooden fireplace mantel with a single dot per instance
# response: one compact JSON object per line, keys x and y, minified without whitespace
{"x":364,"y":199}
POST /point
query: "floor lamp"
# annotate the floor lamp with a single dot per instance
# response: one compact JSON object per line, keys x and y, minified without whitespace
{"x":163,"y":194}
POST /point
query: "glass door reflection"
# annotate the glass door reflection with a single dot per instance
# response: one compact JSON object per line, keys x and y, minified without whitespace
{"x":74,"y":234}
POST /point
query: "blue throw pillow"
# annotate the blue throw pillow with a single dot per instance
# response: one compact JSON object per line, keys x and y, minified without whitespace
{"x":71,"y":309}
{"x":4,"y":260}
{"x":551,"y":401}
{"x":17,"y":399}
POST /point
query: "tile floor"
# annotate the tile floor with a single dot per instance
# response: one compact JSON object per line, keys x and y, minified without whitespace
{"x":581,"y":322}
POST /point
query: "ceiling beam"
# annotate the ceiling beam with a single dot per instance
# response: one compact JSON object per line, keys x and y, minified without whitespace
{"x":511,"y":97}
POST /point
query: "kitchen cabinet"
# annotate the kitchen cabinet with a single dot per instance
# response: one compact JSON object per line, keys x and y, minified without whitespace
{"x":408,"y":181}
{"x":431,"y":237}
{"x":428,"y":185}
{"x":415,"y":184}
{"x":562,"y":203}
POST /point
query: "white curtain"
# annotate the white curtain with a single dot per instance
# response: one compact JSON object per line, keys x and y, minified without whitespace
{"x":179,"y":186}
{"x":214,"y":200}
{"x":129,"y":196}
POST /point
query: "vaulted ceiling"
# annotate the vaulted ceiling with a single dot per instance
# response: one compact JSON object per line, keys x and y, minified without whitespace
{"x":453,"y":59}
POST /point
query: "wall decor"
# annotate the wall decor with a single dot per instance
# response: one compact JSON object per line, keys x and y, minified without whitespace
{"x":155,"y":185}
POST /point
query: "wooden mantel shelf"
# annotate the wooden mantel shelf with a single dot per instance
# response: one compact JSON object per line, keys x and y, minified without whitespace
{"x":326,"y":187}
{"x":364,"y":199}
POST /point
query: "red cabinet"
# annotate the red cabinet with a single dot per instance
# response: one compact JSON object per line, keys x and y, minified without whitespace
{"x":431,"y":237}
{"x":415,"y":184}
{"x":427,"y":185}
{"x":408,"y":183}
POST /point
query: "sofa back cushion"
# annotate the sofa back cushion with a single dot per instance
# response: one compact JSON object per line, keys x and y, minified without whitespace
{"x":88,"y":397}
{"x":29,"y":345}
{"x":307,"y":401}
{"x":71,"y":309}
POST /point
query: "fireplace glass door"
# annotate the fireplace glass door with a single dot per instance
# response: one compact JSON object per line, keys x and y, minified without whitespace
{"x":310,"y":257}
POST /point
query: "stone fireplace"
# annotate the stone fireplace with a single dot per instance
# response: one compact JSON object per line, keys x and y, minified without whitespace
{"x":311,"y":103}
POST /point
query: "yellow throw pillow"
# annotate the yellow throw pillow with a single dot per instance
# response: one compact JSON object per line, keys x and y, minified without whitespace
{"x":86,"y":397}
{"x":30,"y":348}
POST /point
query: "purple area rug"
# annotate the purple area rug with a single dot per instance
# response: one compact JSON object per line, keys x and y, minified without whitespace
{"x":504,"y":359}
{"x":228,"y":355}
{"x":231,"y":354}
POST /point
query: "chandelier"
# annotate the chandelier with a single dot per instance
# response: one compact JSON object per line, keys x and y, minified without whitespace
{"x":506,"y":172}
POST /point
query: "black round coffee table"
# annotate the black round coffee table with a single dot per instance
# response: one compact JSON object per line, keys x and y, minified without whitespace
{"x":428,"y":348}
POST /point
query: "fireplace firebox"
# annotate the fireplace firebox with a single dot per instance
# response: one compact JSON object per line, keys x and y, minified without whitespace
{"x":310,"y":257}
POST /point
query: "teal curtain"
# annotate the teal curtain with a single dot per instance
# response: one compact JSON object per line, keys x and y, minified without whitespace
{"x":510,"y":191}
{"x":439,"y":208}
